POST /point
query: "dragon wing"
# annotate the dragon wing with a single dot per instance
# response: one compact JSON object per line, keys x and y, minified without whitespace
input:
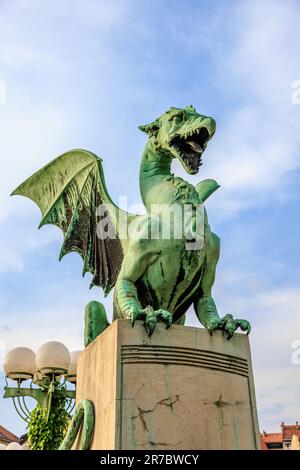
{"x":68,"y":192}
{"x":206,"y":188}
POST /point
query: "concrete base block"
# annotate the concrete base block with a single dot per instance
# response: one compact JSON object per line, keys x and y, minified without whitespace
{"x":179,"y":389}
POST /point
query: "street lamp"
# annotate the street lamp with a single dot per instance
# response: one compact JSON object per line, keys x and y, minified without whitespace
{"x":19,"y":364}
{"x":49,"y":370}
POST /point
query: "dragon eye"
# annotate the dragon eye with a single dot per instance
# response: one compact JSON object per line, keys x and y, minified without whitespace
{"x":177,"y":116}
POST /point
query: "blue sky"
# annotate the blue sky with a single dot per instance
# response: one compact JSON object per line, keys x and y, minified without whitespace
{"x":86,"y":74}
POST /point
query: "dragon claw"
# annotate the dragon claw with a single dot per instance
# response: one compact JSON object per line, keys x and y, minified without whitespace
{"x":153,"y":316}
{"x":244,"y":326}
{"x":166,"y":316}
{"x":212,"y":325}
{"x":134,"y":314}
{"x":229,"y":325}
{"x":150,"y":326}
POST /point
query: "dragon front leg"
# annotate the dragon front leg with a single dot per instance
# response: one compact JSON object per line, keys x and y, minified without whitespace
{"x":127,"y":304}
{"x":205,"y":306}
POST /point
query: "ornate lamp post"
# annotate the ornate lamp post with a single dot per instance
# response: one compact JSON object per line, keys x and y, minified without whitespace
{"x":49,"y":370}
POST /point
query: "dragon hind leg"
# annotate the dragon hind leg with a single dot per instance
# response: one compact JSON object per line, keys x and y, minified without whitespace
{"x":95,"y":321}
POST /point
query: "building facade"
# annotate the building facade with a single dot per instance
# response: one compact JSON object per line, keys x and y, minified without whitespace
{"x":287,"y":439}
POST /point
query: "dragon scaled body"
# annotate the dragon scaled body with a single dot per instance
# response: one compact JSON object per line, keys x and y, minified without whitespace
{"x":155,"y":278}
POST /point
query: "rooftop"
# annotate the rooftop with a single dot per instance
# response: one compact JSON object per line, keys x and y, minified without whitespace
{"x":7,"y":436}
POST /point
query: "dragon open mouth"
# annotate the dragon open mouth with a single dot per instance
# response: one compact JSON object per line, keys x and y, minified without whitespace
{"x":189,"y":148}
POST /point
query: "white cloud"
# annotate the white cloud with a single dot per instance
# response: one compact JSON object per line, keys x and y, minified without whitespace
{"x":35,"y":125}
{"x":254,"y":47}
{"x":277,"y":378}
{"x":28,"y":141}
{"x":275,"y":320}
{"x":62,"y":320}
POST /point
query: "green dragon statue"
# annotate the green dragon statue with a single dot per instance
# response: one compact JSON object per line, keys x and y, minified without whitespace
{"x":155,"y":278}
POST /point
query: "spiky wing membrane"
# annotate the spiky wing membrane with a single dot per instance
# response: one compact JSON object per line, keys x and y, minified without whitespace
{"x":68,"y":192}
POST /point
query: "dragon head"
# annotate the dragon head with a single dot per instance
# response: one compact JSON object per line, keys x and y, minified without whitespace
{"x":183,"y":133}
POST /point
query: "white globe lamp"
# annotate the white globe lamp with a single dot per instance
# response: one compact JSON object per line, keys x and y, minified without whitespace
{"x":14,"y":446}
{"x":53,"y":358}
{"x":19,"y":364}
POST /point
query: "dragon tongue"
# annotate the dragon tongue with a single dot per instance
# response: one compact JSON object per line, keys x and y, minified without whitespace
{"x":195,"y":146}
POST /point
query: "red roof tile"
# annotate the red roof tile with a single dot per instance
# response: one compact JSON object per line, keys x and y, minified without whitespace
{"x":272,"y":437}
{"x":7,"y":436}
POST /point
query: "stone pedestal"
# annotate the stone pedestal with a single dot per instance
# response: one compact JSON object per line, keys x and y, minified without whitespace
{"x":179,"y":389}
